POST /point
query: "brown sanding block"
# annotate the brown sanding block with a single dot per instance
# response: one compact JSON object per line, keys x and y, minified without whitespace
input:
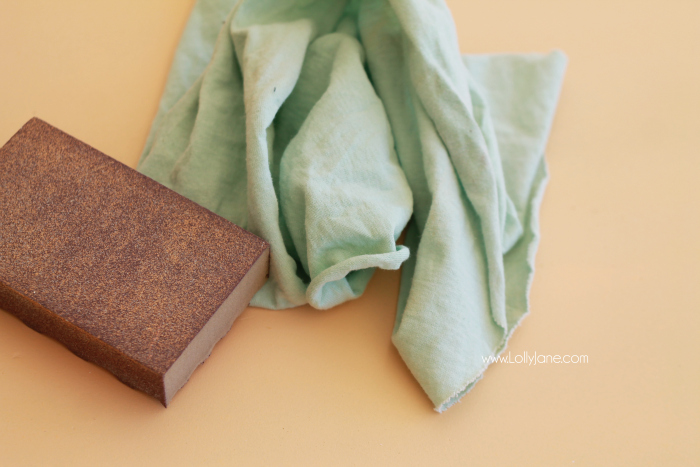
{"x":121,"y":270}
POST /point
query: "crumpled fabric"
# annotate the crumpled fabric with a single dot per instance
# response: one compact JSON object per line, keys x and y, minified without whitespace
{"x":328,"y":127}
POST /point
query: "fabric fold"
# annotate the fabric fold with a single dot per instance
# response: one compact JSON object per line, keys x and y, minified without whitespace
{"x":325,"y":126}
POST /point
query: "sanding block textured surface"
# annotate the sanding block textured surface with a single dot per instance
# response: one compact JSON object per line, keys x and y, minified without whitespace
{"x":120,"y":269}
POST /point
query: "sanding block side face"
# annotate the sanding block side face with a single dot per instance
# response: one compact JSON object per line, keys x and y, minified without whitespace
{"x":201,"y":346}
{"x":101,"y":248}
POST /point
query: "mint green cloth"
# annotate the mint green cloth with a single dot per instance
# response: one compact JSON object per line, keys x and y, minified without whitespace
{"x":326,"y":126}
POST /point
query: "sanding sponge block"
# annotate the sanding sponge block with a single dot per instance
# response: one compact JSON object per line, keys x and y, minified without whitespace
{"x":121,"y":270}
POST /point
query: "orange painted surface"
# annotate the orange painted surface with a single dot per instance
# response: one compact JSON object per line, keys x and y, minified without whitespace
{"x":617,"y":275}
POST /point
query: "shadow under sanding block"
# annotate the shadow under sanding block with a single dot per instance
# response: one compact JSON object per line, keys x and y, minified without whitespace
{"x":121,"y":270}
